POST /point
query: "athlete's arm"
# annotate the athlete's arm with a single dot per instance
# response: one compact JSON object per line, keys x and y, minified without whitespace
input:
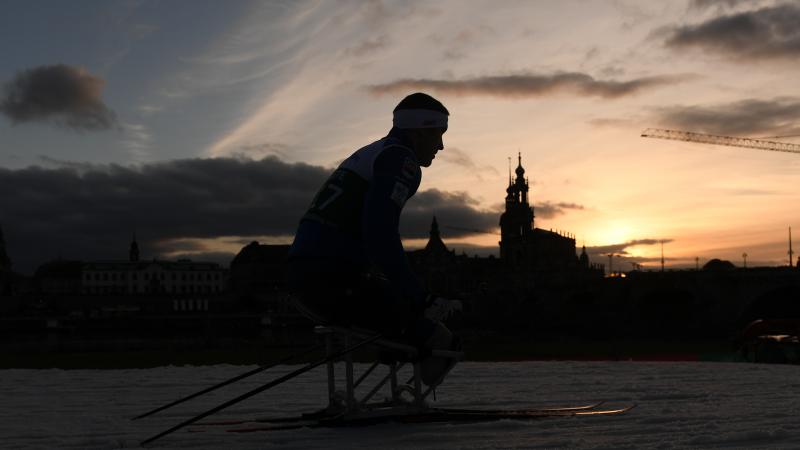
{"x":396,"y":176}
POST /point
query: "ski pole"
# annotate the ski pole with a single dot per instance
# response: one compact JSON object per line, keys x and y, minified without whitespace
{"x":232,"y":380}
{"x":263,"y":388}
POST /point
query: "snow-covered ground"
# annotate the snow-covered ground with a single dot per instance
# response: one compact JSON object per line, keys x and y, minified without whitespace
{"x":680,"y":405}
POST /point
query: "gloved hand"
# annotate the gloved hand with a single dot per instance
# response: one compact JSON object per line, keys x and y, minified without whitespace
{"x":440,"y":309}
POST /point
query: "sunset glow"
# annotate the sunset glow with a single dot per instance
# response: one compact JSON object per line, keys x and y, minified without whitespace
{"x":569,"y":85}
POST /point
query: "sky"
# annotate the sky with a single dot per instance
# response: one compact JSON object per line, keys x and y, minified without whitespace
{"x":201,"y":126}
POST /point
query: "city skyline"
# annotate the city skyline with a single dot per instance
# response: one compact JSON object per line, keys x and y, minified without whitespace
{"x":205,"y":127}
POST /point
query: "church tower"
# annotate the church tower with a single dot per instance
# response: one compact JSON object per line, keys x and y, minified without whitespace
{"x":133,"y":253}
{"x":516,"y":223}
{"x":5,"y":261}
{"x":435,"y":244}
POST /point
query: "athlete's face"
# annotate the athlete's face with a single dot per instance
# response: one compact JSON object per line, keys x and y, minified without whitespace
{"x":427,"y":142}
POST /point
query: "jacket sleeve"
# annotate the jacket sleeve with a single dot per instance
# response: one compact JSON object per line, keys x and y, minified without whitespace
{"x":396,"y":177}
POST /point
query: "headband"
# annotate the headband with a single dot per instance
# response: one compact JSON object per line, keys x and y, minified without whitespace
{"x":419,"y":118}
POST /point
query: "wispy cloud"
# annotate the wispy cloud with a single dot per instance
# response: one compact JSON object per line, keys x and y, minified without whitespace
{"x":750,"y":117}
{"x":137,"y":139}
{"x":454,"y":155}
{"x":64,"y":95}
{"x":369,"y":46}
{"x":702,"y":5}
{"x":462,"y":43}
{"x":548,"y":210}
{"x":766,"y":33}
{"x":608,"y":122}
{"x":150,"y":109}
{"x":530,"y":85}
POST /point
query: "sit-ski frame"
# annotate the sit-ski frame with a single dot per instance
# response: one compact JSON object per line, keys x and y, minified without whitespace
{"x":346,"y":403}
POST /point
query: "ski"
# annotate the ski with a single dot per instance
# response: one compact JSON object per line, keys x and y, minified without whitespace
{"x":314,"y":416}
{"x":523,"y":411}
{"x":448,"y":416}
{"x":436,"y":416}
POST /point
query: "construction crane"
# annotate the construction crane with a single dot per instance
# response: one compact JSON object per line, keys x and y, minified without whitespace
{"x":689,"y":136}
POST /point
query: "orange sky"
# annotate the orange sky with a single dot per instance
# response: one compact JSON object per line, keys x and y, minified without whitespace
{"x":569,"y":84}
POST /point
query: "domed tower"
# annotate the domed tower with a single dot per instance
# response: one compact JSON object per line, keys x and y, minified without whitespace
{"x":516,"y":223}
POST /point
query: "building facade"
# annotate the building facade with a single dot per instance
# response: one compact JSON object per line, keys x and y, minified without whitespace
{"x":133,"y":285}
{"x":182,"y":277}
{"x":525,"y":247}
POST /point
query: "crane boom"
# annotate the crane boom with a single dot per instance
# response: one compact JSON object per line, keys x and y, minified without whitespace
{"x":689,"y":136}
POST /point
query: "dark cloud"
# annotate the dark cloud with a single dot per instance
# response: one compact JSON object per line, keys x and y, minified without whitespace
{"x":261,"y":150}
{"x":750,"y":117}
{"x":767,"y":33}
{"x":85,"y":211}
{"x":65,"y":95}
{"x":456,"y":212}
{"x":548,"y":210}
{"x":528,"y":85}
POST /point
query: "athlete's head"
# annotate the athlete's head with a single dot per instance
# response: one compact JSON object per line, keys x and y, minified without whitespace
{"x":424,"y":120}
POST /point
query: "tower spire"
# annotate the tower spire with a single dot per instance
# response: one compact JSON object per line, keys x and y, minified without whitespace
{"x":435,"y":243}
{"x":791,"y":252}
{"x":434,"y":227}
